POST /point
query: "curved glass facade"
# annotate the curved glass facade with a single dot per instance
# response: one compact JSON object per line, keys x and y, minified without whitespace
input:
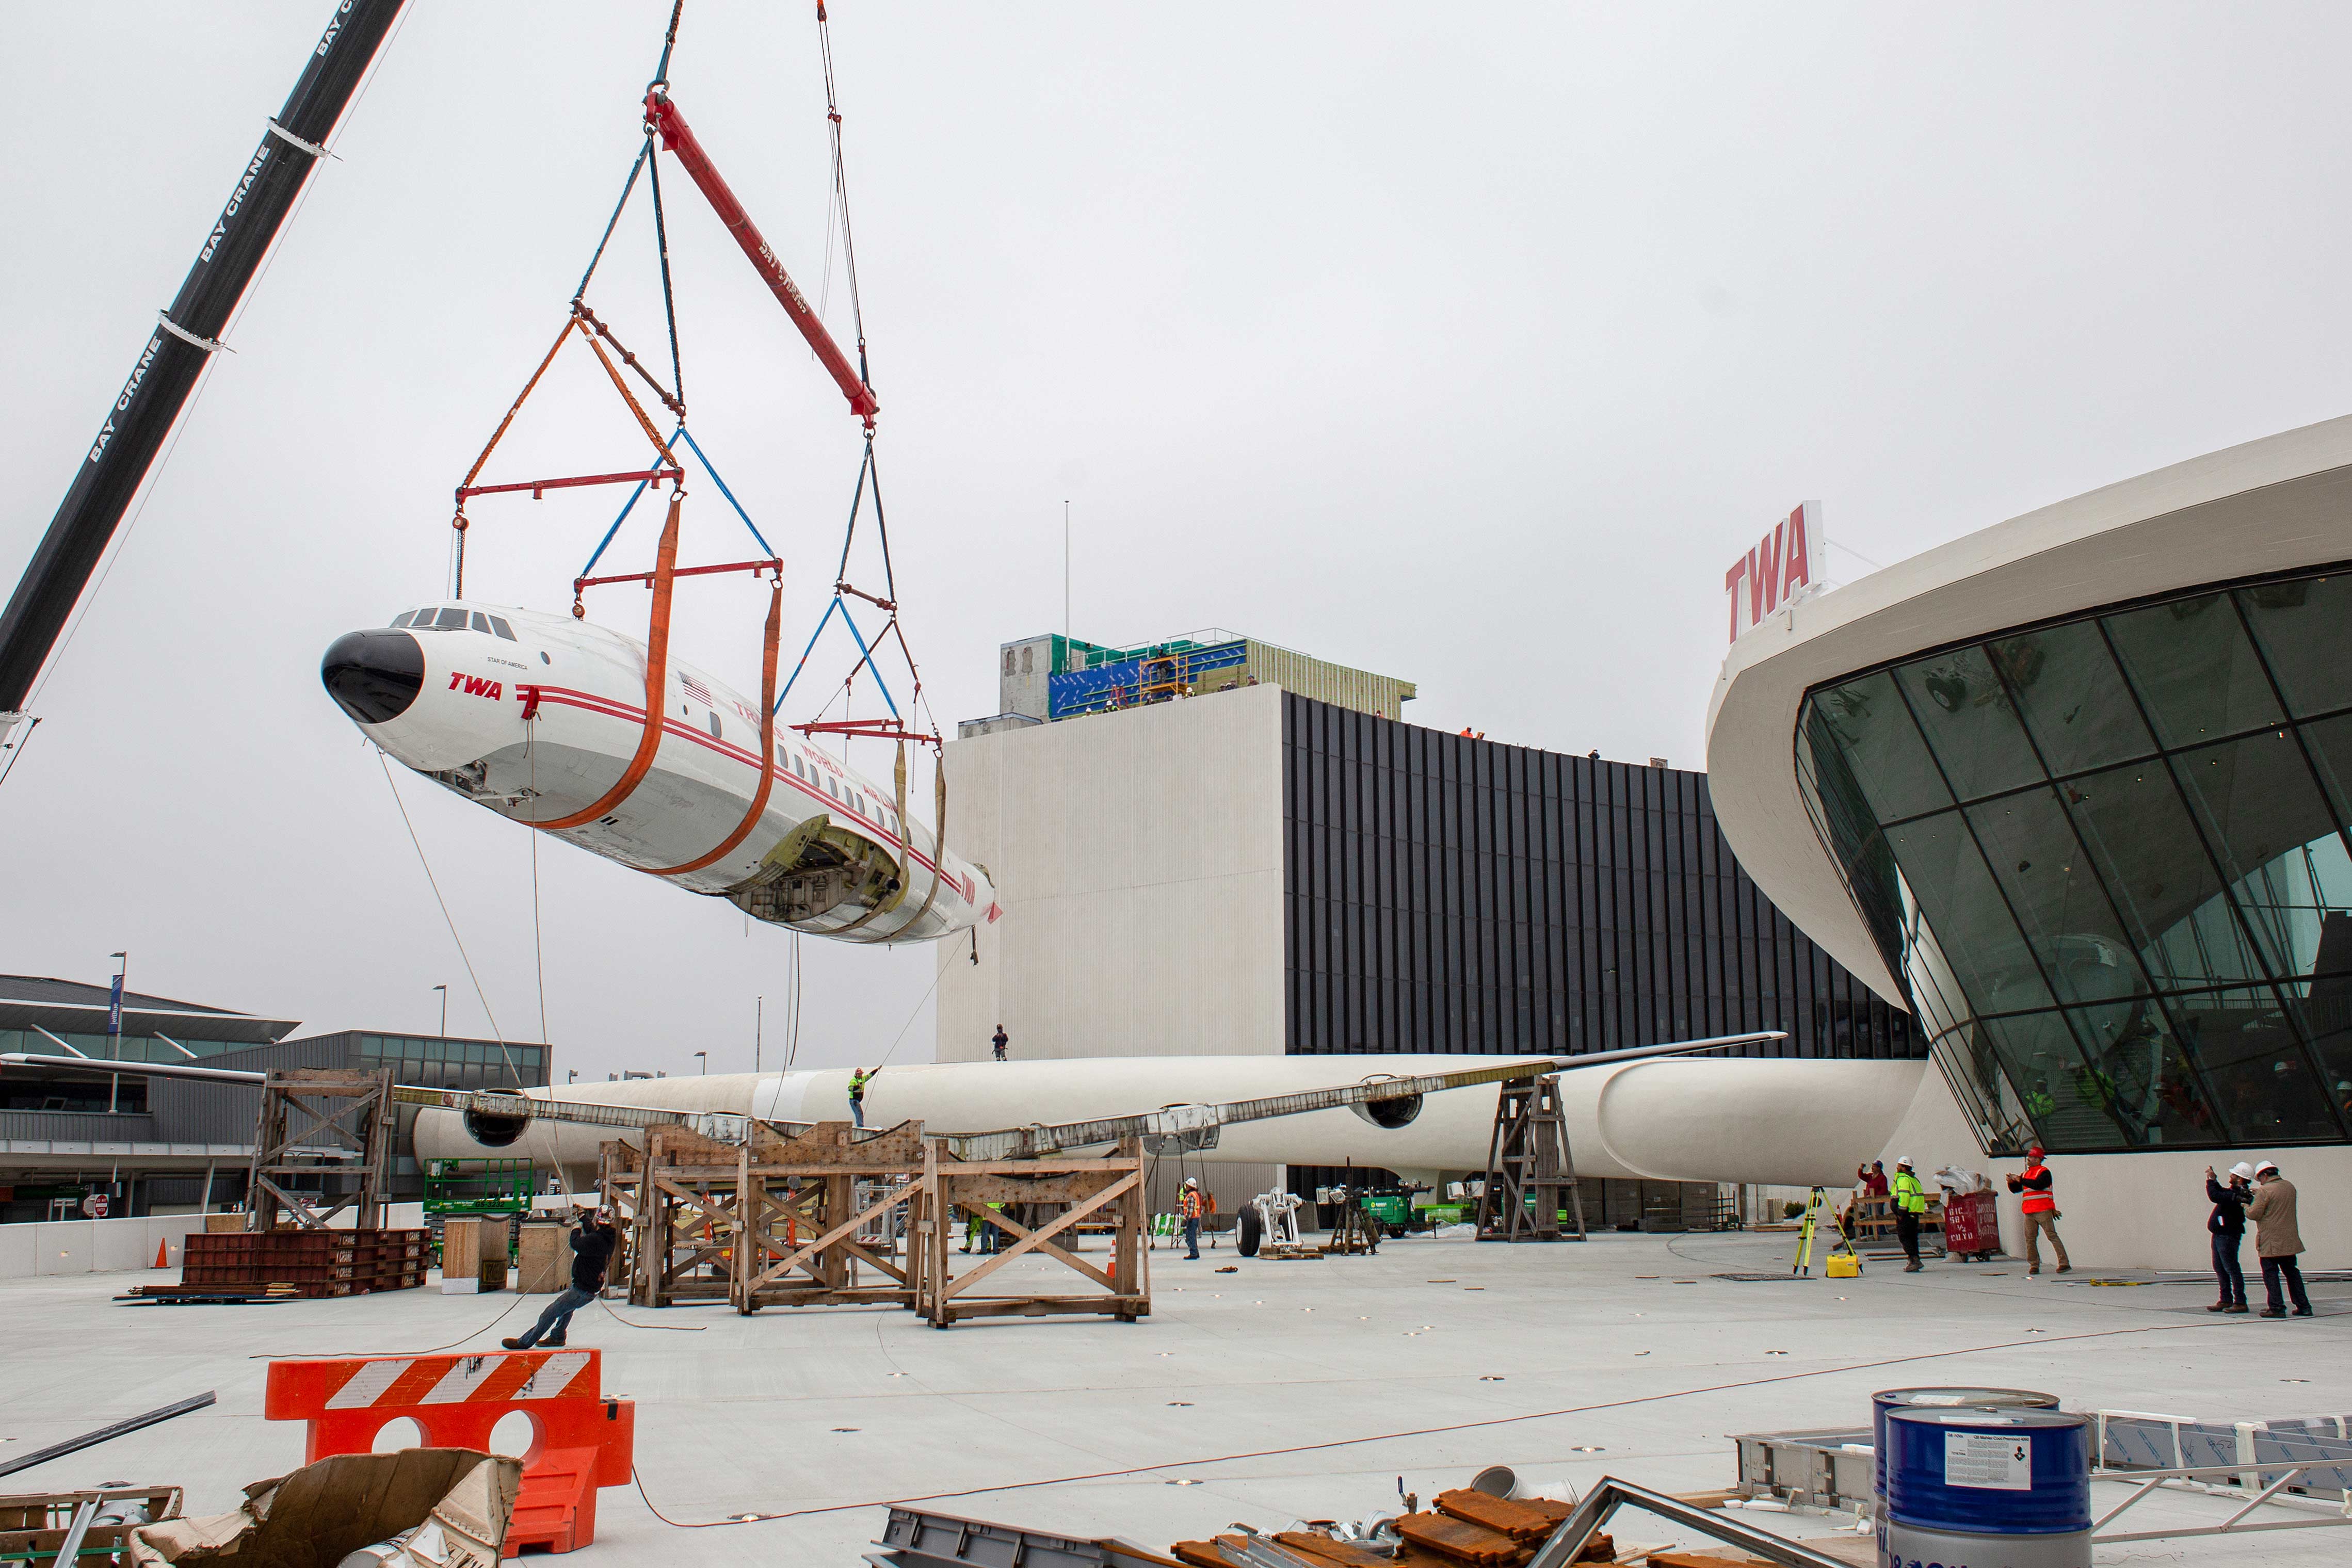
{"x":2107,"y":858}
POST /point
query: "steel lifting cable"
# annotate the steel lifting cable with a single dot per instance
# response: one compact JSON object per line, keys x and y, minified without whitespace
{"x":841,"y":191}
{"x":584,"y":321}
{"x":645,"y":153}
{"x":670,"y":299}
{"x":869,"y":471}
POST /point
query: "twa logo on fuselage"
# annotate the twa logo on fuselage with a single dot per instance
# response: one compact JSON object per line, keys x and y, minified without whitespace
{"x":475,"y":686}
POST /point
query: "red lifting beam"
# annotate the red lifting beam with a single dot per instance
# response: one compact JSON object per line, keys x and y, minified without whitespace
{"x":677,"y":137}
{"x":867,"y":728}
{"x":754,"y":567}
{"x":635,"y":476}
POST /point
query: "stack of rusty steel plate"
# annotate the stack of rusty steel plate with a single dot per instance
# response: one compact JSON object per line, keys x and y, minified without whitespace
{"x":303,"y":1263}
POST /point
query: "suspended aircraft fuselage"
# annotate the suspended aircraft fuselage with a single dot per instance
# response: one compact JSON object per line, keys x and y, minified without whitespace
{"x":538,"y":717}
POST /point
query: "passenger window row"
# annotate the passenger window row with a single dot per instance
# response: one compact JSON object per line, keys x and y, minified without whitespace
{"x":451,"y":620}
{"x":847,"y":795}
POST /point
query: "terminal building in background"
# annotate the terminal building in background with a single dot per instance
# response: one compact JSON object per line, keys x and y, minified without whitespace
{"x":1247,"y":850}
{"x":163,"y":1145}
{"x":2075,"y":790}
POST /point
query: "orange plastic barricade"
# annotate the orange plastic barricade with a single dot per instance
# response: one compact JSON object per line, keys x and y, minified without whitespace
{"x":581,"y":1440}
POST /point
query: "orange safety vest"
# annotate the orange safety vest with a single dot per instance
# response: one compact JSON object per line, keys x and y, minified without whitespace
{"x":2041,"y":1201}
{"x":1189,"y":1204}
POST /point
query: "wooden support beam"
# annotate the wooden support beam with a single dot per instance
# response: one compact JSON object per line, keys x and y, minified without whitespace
{"x":1026,"y":1239}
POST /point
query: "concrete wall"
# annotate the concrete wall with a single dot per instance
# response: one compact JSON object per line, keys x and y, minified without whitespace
{"x":1137,"y":858}
{"x":2132,"y":1211}
{"x":92,"y":1246}
{"x":117,"y":1246}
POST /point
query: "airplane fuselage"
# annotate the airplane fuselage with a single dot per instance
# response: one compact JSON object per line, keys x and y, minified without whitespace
{"x":536,"y":718}
{"x":1777,"y":1121}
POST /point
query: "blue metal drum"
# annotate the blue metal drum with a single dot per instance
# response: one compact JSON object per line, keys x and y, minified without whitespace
{"x":1985,"y":1489}
{"x":1940,"y":1399}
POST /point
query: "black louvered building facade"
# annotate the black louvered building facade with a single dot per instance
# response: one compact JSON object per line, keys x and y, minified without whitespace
{"x":1449,"y":894}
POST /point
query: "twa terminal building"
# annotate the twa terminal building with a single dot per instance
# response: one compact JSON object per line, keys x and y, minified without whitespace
{"x":2075,"y":791}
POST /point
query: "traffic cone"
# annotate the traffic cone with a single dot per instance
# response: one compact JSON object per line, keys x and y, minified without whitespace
{"x":163,"y":1254}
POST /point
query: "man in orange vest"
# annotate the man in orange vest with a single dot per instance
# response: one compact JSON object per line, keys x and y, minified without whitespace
{"x":2040,"y":1206}
{"x":1190,"y":1207}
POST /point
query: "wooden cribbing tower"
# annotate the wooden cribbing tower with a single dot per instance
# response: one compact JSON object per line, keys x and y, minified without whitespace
{"x":1529,"y":1169}
{"x":833,"y":1216}
{"x":330,"y":1125}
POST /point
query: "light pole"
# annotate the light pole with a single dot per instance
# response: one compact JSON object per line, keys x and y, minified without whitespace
{"x":704,"y":1058}
{"x":114,"y":1030}
{"x":444,"y":1009}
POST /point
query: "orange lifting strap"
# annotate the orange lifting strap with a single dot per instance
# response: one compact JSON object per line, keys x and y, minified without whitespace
{"x":657,"y":684}
{"x":766,"y":743}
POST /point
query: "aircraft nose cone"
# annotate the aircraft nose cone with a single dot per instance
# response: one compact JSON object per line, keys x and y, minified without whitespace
{"x":374,"y":676}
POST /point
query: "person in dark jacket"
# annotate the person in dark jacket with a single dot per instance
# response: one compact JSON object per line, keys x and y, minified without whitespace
{"x":592,"y":1254}
{"x":2228,"y":1225}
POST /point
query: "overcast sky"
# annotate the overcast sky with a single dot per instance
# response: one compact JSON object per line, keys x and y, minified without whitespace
{"x":1463,"y":344}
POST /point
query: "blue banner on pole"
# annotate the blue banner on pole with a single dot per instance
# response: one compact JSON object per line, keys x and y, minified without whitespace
{"x":115,"y":1010}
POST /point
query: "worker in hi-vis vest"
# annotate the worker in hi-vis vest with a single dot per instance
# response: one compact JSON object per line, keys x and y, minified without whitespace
{"x":1190,"y":1207}
{"x":2040,"y":1206}
{"x":1910,"y":1208}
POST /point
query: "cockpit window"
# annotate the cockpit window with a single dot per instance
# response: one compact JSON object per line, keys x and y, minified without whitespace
{"x":498,"y":625}
{"x":481,"y":622}
{"x":403,"y":618}
{"x":450,"y":621}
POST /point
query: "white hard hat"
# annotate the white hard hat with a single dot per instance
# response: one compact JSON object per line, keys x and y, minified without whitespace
{"x":2265,"y":1165}
{"x":1901,"y":1163}
{"x":1191,"y":1181}
{"x":2243,"y":1171}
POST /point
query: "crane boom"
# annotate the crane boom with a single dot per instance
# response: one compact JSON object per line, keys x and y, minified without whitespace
{"x":677,"y":136}
{"x":183,"y":337}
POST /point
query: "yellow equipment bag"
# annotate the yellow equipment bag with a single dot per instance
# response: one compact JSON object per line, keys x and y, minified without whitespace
{"x":1841,"y":1266}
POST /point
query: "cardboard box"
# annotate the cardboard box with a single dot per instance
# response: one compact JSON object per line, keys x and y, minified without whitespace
{"x":322,"y":1513}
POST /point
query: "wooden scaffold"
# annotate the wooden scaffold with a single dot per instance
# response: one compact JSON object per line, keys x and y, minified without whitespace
{"x":329,"y":1127}
{"x":1531,"y":1174}
{"x":1109,"y":1188}
{"x":836,"y":1216}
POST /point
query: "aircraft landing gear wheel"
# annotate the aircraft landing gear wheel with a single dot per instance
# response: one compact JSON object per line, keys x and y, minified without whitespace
{"x":1247,"y":1232}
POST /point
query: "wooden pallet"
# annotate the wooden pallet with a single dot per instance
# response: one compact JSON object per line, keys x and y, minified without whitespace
{"x":34,"y":1524}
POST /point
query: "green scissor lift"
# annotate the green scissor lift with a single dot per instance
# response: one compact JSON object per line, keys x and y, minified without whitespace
{"x":463,"y":1188}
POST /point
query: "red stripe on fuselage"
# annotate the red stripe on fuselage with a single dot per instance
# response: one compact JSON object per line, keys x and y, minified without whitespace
{"x":591,"y":702}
